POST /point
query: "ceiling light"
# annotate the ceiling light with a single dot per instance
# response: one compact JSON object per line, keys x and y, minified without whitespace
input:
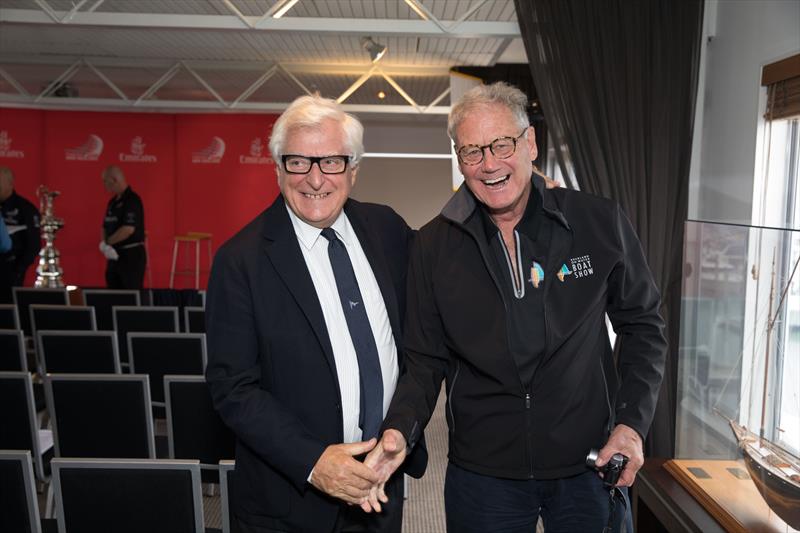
{"x":416,"y":9}
{"x":284,"y":8}
{"x":381,"y":95}
{"x":376,"y":51}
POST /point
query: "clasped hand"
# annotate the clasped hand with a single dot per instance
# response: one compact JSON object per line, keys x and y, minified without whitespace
{"x":340,"y":475}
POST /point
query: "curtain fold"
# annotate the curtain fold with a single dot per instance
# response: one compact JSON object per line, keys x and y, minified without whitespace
{"x":617,"y":80}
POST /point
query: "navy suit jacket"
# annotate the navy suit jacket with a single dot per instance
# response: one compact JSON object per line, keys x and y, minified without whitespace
{"x":271,"y":369}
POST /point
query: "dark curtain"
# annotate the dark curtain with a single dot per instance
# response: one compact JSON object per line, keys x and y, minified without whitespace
{"x":617,"y":82}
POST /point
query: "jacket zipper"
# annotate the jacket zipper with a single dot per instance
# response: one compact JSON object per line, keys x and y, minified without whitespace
{"x":528,"y":444}
{"x":611,"y":415}
{"x":499,"y":287}
{"x":450,"y":398}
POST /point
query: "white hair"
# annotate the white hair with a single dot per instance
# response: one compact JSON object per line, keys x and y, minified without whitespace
{"x":311,"y":111}
{"x":497,"y":93}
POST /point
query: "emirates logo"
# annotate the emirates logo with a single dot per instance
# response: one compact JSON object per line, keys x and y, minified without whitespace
{"x":5,"y":147}
{"x":137,"y":154}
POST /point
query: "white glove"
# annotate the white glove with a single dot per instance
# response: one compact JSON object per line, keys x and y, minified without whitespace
{"x":108,"y":251}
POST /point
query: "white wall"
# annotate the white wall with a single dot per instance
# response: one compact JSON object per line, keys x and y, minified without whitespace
{"x":416,"y":188}
{"x":744,"y":36}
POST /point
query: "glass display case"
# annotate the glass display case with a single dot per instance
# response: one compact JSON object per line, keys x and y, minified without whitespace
{"x":738,"y":404}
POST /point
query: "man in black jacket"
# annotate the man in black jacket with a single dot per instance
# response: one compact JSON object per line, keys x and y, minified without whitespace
{"x":508,"y":292}
{"x":123,"y":233}
{"x":22,"y":221}
{"x":304,"y":312}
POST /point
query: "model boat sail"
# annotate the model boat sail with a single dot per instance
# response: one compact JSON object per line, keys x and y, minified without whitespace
{"x":774,"y":470}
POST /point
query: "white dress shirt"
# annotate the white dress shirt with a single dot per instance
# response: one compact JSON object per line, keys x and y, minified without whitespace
{"x":315,"y":252}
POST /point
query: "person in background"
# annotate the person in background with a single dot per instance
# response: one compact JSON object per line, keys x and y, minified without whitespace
{"x":305,"y":306}
{"x":509,"y":288}
{"x":123,"y":233}
{"x":5,"y":238}
{"x":22,"y":223}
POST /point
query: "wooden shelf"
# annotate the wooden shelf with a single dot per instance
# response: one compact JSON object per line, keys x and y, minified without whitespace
{"x":725,"y":490}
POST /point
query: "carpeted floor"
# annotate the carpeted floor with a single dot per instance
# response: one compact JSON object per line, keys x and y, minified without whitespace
{"x":424,"y":508}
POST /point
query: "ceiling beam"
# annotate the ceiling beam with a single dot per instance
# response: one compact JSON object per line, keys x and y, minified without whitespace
{"x":296,"y":68}
{"x":188,"y":21}
{"x":172,"y":106}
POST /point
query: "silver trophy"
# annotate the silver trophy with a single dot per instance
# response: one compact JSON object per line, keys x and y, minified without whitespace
{"x":48,"y":273}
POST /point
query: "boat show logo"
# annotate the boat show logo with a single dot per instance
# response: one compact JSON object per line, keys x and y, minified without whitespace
{"x":5,"y":147}
{"x":137,"y":154}
{"x":537,"y":274}
{"x":256,"y":156}
{"x":212,"y":154}
{"x":88,"y":151}
{"x":581,"y":266}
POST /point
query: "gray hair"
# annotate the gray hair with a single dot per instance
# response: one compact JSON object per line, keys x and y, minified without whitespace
{"x":113,"y":171}
{"x":497,"y":93}
{"x":311,"y":111}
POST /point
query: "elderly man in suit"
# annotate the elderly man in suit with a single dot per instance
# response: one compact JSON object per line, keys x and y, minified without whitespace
{"x":304,"y":311}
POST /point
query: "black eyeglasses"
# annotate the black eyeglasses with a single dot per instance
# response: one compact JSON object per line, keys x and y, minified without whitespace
{"x":329,"y":164}
{"x":502,"y":148}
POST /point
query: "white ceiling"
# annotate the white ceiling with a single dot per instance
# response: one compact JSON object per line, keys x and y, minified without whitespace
{"x":226,"y":46}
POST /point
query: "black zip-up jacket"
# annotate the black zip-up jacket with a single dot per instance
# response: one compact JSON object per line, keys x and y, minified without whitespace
{"x":456,"y":329}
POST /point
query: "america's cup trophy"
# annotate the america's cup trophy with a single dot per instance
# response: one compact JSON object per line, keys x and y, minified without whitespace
{"x":48,"y":273}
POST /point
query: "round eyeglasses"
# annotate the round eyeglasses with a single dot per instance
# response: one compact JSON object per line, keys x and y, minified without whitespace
{"x":300,"y":164}
{"x":501,"y":148}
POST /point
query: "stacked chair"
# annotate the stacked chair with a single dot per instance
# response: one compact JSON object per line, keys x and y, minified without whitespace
{"x":87,"y":392}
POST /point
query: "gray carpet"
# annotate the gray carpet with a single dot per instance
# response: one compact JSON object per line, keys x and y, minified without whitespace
{"x":424,"y":508}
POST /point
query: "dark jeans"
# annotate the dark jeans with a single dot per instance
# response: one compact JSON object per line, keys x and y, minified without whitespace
{"x":127,"y":272}
{"x":476,"y":504}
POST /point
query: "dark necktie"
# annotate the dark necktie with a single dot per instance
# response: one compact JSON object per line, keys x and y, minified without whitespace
{"x":355,"y":313}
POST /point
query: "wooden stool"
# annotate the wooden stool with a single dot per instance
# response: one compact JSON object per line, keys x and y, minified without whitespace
{"x":191,"y":237}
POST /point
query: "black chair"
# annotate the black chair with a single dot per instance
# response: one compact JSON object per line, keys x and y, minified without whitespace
{"x":159,"y":354}
{"x":78,"y":352}
{"x":104,"y":300}
{"x":12,"y":351}
{"x":100,"y":415}
{"x":62,"y":317}
{"x":9,"y":317}
{"x":194,"y":429}
{"x":142,"y":318}
{"x":24,"y":297}
{"x":18,"y":416}
{"x":19,"y":506}
{"x":226,"y":469}
{"x":194,"y":319}
{"x":123,"y":496}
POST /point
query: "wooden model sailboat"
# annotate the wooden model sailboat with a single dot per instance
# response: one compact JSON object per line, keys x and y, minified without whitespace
{"x":774,"y":470}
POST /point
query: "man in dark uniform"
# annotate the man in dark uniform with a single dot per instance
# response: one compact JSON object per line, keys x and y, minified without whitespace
{"x":123,"y":233}
{"x":22,"y":221}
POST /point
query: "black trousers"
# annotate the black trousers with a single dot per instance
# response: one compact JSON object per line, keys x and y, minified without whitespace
{"x":351,"y":518}
{"x":127,"y":272}
{"x":9,"y":277}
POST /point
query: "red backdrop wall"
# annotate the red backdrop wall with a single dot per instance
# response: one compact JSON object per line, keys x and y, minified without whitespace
{"x":195,"y":172}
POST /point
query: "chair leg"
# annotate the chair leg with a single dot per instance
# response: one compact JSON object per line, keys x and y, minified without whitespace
{"x":174,"y":260}
{"x":49,"y":511}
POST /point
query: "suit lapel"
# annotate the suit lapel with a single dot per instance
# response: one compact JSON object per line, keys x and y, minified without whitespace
{"x":370,"y":243}
{"x":281,"y":247}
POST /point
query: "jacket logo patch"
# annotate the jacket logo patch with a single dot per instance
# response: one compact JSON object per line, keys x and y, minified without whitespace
{"x":563,"y":272}
{"x":581,"y":266}
{"x":537,"y":275}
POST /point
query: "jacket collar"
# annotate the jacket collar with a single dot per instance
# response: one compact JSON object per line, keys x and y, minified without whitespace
{"x":463,"y":204}
{"x":283,"y":250}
